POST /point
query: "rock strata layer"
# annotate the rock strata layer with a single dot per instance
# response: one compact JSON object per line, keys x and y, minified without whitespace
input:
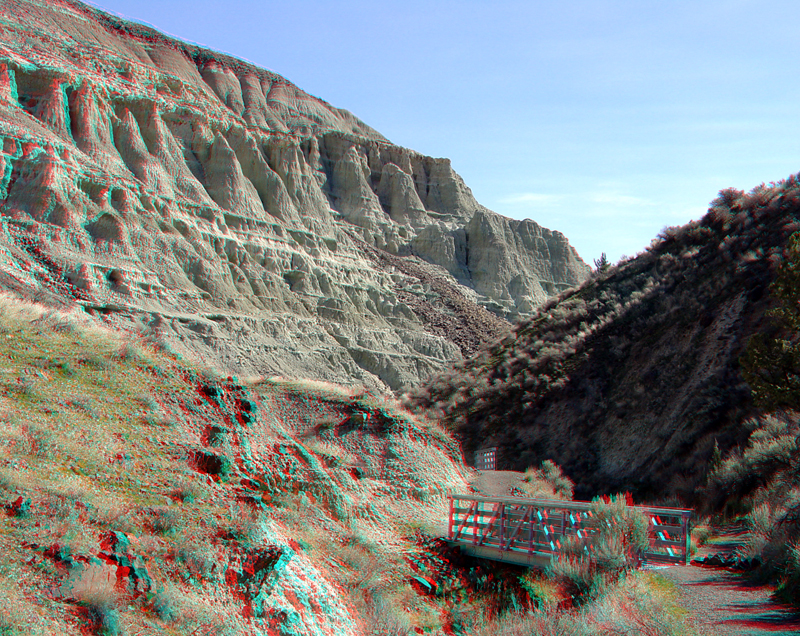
{"x":214,"y":205}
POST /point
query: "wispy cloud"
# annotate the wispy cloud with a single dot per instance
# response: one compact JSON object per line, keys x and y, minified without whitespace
{"x":613,"y":198}
{"x":530,"y":197}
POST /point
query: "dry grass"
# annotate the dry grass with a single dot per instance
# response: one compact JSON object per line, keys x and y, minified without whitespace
{"x":638,"y":604}
{"x":83,"y":443}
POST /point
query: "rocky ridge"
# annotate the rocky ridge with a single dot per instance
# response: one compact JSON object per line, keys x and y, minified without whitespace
{"x":218,"y":208}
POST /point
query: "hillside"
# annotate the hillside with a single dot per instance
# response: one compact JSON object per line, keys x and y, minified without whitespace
{"x":215,"y":206}
{"x":628,"y":381}
{"x":231,"y":504}
{"x":141,"y":494}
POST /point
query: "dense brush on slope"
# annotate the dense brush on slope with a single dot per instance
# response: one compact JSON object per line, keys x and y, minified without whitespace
{"x":628,"y":380}
{"x":761,"y":482}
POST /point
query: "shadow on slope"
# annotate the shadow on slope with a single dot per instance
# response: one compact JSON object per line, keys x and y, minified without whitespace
{"x":629,"y":380}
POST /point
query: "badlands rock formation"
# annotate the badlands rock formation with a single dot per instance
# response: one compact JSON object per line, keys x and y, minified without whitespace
{"x":219,"y":208}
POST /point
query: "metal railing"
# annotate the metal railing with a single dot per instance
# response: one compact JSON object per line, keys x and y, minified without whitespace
{"x":532,"y":531}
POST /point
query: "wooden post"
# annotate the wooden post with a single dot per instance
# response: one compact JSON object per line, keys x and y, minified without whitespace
{"x":450,"y":518}
{"x":472,"y":510}
{"x":502,"y":524}
{"x":531,"y":524}
{"x":475,"y":524}
{"x":687,"y":537}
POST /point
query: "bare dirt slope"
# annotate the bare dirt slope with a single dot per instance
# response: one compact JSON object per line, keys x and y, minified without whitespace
{"x":498,"y":483}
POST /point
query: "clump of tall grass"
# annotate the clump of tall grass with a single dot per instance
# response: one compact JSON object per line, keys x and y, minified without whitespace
{"x":620,"y":536}
{"x":548,"y":481}
{"x":700,"y":533}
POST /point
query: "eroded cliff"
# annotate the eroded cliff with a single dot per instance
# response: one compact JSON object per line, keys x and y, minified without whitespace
{"x":219,"y":208}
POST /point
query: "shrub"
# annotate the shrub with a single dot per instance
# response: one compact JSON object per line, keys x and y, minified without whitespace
{"x":197,"y":566}
{"x":212,"y":463}
{"x":553,"y":475}
{"x":163,"y":520}
{"x":789,"y":585}
{"x":543,"y":591}
{"x":159,"y":421}
{"x":620,"y":536}
{"x":327,"y":424}
{"x":617,"y":519}
{"x":25,"y":387}
{"x":96,"y":361}
{"x":41,"y":440}
{"x":188,"y":491}
{"x":129,"y":352}
{"x":762,"y":483}
{"x":104,"y":616}
{"x":63,"y":366}
{"x":166,"y":605}
{"x":548,"y":481}
{"x":148,"y":402}
{"x":577,"y":573}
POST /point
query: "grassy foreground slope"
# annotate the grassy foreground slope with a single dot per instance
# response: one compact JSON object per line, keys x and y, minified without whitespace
{"x":141,"y":495}
{"x":628,"y":381}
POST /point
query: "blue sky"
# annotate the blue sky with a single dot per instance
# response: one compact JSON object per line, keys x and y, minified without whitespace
{"x":604,"y":119}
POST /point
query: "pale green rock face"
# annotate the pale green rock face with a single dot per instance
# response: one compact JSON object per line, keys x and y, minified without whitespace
{"x":217,"y":207}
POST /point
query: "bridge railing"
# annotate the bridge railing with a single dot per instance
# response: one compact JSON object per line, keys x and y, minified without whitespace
{"x":532,"y":531}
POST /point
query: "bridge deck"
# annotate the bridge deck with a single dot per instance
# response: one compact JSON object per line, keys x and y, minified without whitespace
{"x":532,"y":531}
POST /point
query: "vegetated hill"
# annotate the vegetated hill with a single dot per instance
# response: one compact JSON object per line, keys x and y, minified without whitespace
{"x":628,"y":381}
{"x":190,"y":195}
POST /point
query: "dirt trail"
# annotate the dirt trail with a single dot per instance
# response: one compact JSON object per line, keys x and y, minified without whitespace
{"x":725,"y":603}
{"x":498,"y":483}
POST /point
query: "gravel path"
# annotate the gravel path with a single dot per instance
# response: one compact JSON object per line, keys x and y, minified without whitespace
{"x":497,"y":483}
{"x":725,"y":603}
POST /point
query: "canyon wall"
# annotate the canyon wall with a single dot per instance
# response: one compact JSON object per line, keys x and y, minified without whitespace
{"x":216,"y":207}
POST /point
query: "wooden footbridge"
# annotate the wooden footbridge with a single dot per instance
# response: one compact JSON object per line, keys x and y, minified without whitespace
{"x":532,"y":531}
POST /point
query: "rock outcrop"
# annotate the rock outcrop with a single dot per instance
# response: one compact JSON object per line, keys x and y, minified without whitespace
{"x":214,"y":205}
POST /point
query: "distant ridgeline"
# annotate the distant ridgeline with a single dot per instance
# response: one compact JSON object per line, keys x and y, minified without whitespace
{"x":628,"y":381}
{"x":218,"y":208}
